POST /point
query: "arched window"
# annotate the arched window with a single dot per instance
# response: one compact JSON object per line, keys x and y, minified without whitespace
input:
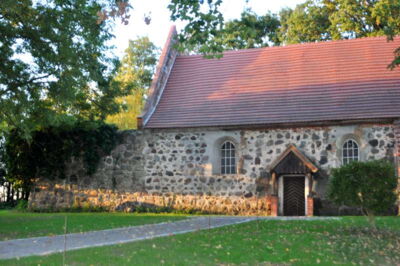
{"x":228,"y":158}
{"x":350,"y":152}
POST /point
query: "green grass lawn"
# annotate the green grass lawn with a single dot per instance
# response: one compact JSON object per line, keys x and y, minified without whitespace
{"x":346,"y":241}
{"x":21,"y":225}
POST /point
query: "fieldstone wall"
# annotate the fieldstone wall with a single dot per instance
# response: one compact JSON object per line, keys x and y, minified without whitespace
{"x":180,"y":168}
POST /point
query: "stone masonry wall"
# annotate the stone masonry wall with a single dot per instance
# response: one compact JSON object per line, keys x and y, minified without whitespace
{"x":180,"y":168}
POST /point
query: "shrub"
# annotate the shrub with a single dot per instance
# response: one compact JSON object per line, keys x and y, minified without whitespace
{"x":46,"y":154}
{"x":22,"y":205}
{"x":7,"y":205}
{"x":369,"y":185}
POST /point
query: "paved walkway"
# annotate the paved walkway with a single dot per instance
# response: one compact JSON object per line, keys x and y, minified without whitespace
{"x":46,"y":245}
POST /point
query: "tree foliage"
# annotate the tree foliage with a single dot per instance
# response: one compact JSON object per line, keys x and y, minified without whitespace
{"x":317,"y":20}
{"x":134,"y":74}
{"x":355,"y":18}
{"x":203,"y":22}
{"x":250,"y":31}
{"x":54,"y":62}
{"x":308,"y":22}
{"x":369,"y":185}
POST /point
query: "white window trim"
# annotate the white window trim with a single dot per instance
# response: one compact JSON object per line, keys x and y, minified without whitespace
{"x":347,"y":157}
{"x":221,"y":157}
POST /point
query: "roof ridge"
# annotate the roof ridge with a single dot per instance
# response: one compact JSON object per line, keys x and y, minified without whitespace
{"x":318,"y":43}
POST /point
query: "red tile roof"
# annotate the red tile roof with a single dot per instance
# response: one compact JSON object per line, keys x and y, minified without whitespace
{"x":338,"y":80}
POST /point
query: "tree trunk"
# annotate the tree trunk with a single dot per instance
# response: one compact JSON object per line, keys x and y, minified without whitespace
{"x":12,"y":193}
{"x":371,"y":219}
{"x":8,"y":192}
{"x":27,"y":192}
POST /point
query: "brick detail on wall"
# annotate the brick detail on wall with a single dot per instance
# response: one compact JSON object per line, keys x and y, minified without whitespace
{"x":274,"y":205}
{"x":396,"y":131}
{"x":310,"y":206}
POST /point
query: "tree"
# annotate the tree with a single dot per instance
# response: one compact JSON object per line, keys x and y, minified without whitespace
{"x":250,"y":31}
{"x":203,"y":22}
{"x":356,"y":18}
{"x":308,"y":22}
{"x":134,"y":74}
{"x":53,"y":61}
{"x":202,"y":17}
{"x":369,"y":185}
{"x":2,"y":166}
{"x":319,"y":20}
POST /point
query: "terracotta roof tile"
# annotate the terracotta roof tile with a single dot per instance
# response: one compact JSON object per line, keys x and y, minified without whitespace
{"x":324,"y":81}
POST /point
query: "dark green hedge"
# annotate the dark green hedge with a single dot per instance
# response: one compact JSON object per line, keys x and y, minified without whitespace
{"x":45,"y":155}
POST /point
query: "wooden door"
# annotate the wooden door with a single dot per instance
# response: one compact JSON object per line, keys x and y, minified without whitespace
{"x":293,"y":196}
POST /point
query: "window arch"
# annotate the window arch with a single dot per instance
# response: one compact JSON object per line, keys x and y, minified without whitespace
{"x":350,"y":152}
{"x":228,"y":158}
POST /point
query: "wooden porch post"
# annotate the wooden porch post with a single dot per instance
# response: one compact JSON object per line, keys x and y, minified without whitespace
{"x":310,"y":185}
{"x":396,"y":128}
{"x":274,"y":184}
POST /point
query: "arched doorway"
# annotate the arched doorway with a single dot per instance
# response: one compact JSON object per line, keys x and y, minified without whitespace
{"x":293,"y":183}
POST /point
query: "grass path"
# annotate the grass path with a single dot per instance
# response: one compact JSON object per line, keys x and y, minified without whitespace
{"x":15,"y":225}
{"x":347,"y":241}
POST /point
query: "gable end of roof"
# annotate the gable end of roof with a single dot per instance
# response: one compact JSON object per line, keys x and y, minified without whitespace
{"x":164,"y":67}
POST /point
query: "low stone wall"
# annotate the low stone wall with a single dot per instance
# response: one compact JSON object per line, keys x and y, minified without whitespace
{"x":65,"y":197}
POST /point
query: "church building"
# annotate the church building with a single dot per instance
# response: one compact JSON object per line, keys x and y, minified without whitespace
{"x":255,"y":132}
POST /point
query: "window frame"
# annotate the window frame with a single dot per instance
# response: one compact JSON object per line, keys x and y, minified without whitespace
{"x":227,"y":154}
{"x":347,"y":159}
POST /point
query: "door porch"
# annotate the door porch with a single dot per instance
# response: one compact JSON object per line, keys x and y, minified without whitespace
{"x":293,"y":184}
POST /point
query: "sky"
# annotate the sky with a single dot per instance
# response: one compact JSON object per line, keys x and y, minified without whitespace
{"x":157,"y":30}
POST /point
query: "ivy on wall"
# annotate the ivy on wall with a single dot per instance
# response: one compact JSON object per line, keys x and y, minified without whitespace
{"x":46,"y":154}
